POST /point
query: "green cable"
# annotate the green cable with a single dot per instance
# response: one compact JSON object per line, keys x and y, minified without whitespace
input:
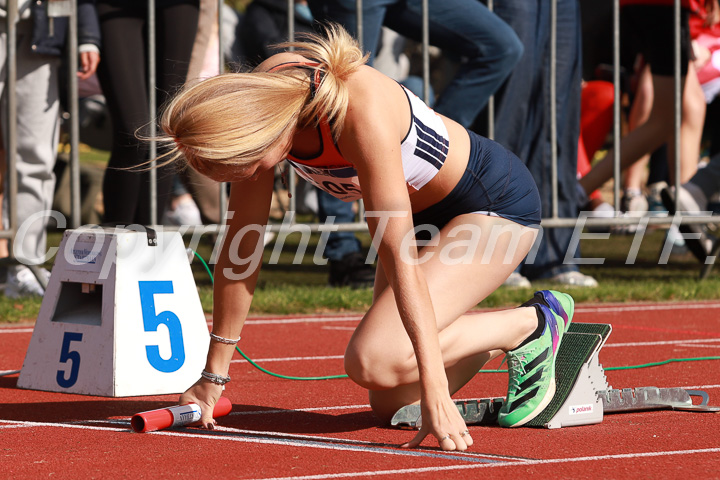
{"x":278,"y":375}
{"x":331,"y":377}
{"x":634,"y":367}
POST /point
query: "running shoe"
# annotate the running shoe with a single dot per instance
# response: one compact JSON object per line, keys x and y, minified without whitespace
{"x":531,"y":372}
{"x":560,"y":303}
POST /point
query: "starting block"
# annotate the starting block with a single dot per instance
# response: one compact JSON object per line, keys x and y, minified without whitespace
{"x":121,"y":316}
{"x":582,"y":395}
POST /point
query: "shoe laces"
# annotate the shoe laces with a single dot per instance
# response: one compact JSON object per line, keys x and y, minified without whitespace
{"x":516,"y":369}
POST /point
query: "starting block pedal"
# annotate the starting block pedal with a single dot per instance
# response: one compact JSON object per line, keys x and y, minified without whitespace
{"x":578,"y":375}
{"x":475,"y":412}
{"x":582,"y":395}
{"x":121,"y":316}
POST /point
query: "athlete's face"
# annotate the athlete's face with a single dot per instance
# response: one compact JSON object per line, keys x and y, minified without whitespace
{"x":223,"y":172}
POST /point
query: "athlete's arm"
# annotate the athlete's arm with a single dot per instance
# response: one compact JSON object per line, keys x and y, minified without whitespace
{"x":371,"y":141}
{"x":236,"y":272}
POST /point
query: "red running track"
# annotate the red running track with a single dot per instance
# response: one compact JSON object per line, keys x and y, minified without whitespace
{"x":324,"y":429}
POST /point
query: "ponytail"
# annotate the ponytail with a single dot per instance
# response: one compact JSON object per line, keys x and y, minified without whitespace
{"x":235,"y":118}
{"x":339,"y":56}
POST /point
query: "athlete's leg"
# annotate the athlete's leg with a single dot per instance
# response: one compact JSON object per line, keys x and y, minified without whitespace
{"x":472,"y":257}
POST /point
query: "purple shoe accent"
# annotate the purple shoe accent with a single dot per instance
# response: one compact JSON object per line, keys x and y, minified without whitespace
{"x":555,"y":305}
{"x":551,"y":322}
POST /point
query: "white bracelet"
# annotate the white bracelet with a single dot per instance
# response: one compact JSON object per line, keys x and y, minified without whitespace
{"x":215,"y":378}
{"x":227,"y":341}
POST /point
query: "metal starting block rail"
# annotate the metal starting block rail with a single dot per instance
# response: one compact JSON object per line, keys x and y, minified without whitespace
{"x":582,"y":395}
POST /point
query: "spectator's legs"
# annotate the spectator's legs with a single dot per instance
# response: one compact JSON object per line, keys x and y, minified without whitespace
{"x":38,"y":108}
{"x":344,"y":12}
{"x":639,"y":113}
{"x":691,"y":128}
{"x":523,"y":120}
{"x":176,"y":28}
{"x":123,"y":76}
{"x":644,"y":139}
{"x":343,"y":248}
{"x":339,"y":243}
{"x":486,"y":46}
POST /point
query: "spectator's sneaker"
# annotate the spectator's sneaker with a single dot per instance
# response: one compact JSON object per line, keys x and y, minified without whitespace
{"x":574,"y":278}
{"x":633,"y":205}
{"x":21,"y":282}
{"x":351,"y":271}
{"x":531,"y":373}
{"x":517,"y":280}
{"x":696,"y":237}
{"x":186,"y":212}
{"x":560,"y":303}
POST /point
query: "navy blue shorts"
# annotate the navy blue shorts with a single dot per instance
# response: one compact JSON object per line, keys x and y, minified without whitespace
{"x":495,"y":183}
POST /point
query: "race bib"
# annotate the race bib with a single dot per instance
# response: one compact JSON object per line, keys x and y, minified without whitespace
{"x":340,"y":182}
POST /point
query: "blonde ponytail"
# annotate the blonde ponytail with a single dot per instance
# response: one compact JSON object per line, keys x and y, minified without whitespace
{"x":339,"y":55}
{"x":235,"y":118}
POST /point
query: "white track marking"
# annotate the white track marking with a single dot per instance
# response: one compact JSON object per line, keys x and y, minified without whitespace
{"x":310,"y":409}
{"x":701,"y":387}
{"x":291,"y":440}
{"x":15,"y":330}
{"x":661,"y":342}
{"x":290,"y":359}
{"x":275,"y":321}
{"x":523,"y":464}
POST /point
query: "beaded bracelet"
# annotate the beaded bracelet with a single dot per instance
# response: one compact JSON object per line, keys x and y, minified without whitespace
{"x":215,"y":378}
{"x":227,"y":341}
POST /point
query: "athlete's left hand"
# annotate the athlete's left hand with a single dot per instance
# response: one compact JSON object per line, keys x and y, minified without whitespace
{"x":441,"y":418}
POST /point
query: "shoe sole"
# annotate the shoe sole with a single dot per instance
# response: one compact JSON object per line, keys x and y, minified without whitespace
{"x":541,"y":406}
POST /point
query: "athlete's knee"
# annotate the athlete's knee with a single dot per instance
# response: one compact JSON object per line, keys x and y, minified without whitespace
{"x":371,"y":369}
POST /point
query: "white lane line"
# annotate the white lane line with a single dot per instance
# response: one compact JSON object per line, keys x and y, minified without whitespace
{"x":661,"y":342}
{"x":697,"y":345}
{"x":644,"y":308}
{"x":16,"y":330}
{"x":276,"y":321}
{"x":290,"y":359}
{"x":358,"y":317}
{"x":299,"y":441}
{"x":310,"y":409}
{"x":62,"y":425}
{"x":701,"y":387}
{"x":524,"y":464}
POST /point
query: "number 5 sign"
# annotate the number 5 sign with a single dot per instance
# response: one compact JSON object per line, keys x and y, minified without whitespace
{"x":121,"y":317}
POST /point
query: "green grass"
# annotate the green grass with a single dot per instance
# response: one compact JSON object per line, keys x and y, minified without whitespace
{"x":287,"y":288}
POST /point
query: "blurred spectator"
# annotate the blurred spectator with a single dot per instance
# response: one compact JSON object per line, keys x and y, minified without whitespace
{"x":195,"y":199}
{"x":484,"y":46}
{"x":647,"y":29}
{"x":40,"y":45}
{"x":523,"y":124}
{"x":693,"y":199}
{"x":124,"y":79}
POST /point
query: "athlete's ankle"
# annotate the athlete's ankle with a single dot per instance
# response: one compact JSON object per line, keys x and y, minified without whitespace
{"x":529,"y":321}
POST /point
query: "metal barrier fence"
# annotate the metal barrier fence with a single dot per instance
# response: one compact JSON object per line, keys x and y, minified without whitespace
{"x":551,"y":221}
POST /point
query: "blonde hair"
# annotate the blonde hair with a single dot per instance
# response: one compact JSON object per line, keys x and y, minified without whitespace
{"x":235,"y":118}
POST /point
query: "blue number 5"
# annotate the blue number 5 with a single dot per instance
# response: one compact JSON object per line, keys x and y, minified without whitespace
{"x":151,"y":321}
{"x":73,"y":356}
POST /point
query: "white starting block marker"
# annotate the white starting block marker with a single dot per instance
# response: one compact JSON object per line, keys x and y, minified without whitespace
{"x":121,"y":316}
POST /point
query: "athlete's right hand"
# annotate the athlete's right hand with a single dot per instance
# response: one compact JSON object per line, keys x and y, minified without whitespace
{"x":205,"y":394}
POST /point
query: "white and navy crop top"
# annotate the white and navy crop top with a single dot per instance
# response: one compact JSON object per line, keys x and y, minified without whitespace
{"x":424,"y":150}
